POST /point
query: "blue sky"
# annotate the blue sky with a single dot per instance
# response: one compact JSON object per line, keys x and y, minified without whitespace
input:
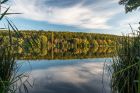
{"x":95,"y":16}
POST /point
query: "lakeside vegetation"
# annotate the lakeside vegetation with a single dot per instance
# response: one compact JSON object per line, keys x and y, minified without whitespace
{"x":62,"y":39}
{"x":125,"y":76}
{"x":125,"y":69}
{"x":61,"y":45}
{"x":10,"y":80}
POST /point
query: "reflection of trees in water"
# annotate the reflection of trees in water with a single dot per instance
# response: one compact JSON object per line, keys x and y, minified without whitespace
{"x":102,"y":50}
{"x":94,"y":49}
{"x":111,"y":49}
{"x":68,"y":53}
{"x":46,"y":45}
{"x":68,"y":45}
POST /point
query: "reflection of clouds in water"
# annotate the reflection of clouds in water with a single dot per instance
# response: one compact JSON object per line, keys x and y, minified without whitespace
{"x":80,"y":78}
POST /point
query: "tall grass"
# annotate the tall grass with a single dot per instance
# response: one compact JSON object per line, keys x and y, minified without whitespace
{"x":9,"y":78}
{"x":7,"y":63}
{"x":8,"y":72}
{"x":126,"y":66}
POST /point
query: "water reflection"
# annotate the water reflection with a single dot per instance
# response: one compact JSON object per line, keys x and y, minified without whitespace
{"x":67,"y":76}
{"x":67,"y":53}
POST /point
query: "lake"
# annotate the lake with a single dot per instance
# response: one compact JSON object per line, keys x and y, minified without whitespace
{"x":67,"y":76}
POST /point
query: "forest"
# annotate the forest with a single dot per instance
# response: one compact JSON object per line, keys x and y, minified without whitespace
{"x":60,"y":45}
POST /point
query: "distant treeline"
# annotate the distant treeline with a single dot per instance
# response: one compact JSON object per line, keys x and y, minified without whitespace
{"x":36,"y":42}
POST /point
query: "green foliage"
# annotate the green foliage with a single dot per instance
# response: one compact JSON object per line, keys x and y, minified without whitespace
{"x":9,"y":78}
{"x":94,"y":43}
{"x":6,"y":64}
{"x":63,"y":44}
{"x":130,"y":4}
{"x":125,"y":76}
{"x":43,"y":40}
{"x":4,"y":1}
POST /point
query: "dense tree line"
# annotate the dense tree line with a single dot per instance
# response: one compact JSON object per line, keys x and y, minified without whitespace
{"x":39,"y":43}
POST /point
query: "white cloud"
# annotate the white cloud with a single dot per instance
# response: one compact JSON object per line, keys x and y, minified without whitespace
{"x":133,"y":19}
{"x":90,"y":17}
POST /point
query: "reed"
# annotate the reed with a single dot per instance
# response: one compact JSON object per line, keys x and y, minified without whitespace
{"x":8,"y":71}
{"x":125,"y":67}
{"x":9,"y":76}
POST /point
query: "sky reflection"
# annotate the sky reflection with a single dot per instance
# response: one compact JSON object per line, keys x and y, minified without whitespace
{"x":78,"y":77}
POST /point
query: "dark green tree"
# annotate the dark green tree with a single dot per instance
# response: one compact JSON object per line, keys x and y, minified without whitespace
{"x":130,"y":5}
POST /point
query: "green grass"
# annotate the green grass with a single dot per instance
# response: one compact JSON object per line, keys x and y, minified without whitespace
{"x":7,"y":64}
{"x":125,"y":76}
{"x":10,"y":80}
{"x":9,"y":77}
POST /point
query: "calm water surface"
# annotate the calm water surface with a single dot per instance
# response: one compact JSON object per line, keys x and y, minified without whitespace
{"x":67,"y":76}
